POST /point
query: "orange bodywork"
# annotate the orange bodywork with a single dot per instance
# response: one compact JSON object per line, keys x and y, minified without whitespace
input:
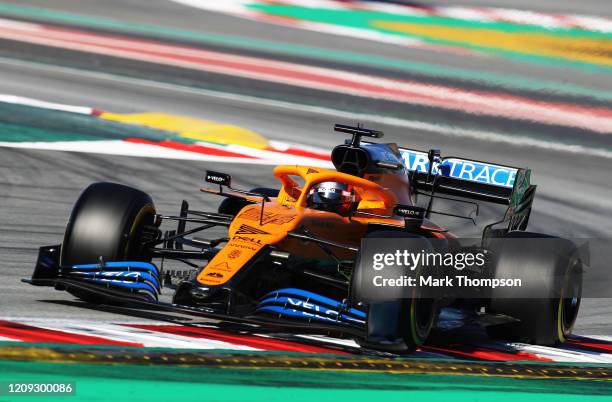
{"x":251,"y":230}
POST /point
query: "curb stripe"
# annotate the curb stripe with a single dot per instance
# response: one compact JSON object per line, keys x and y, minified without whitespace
{"x":281,"y":158}
{"x":482,"y":353}
{"x":187,"y":337}
{"x":138,"y":337}
{"x":156,"y":339}
{"x":273,"y":153}
{"x":301,"y":152}
{"x":27,"y":333}
{"x":192,"y":128}
{"x":562,"y":354}
{"x":254,"y":341}
{"x":195,"y":148}
{"x":126,"y":148}
{"x":599,"y":346}
{"x":153,"y":150}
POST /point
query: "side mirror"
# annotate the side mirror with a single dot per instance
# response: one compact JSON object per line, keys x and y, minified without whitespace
{"x":221,"y":179}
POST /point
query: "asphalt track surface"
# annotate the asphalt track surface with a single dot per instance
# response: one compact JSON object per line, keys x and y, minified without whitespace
{"x":38,"y":188}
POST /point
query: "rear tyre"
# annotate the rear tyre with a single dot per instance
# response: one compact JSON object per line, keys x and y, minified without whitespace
{"x":107,"y":222}
{"x":400,"y":325}
{"x":550,"y":268}
{"x":231,"y":206}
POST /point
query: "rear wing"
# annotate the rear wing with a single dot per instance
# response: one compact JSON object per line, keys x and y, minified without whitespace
{"x":475,"y":180}
{"x":466,"y":178}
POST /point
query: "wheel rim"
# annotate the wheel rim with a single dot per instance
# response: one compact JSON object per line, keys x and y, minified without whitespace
{"x":133,"y":248}
{"x":422,"y":318}
{"x":569,"y":304}
{"x":570,"y":307}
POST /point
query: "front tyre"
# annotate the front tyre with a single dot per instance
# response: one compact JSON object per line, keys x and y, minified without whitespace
{"x":398,"y":325}
{"x":107,"y":222}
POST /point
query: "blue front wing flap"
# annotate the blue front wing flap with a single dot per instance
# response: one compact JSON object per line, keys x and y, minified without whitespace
{"x":302,"y":304}
{"x":137,"y":277}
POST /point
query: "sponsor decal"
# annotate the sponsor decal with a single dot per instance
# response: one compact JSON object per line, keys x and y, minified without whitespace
{"x":234,"y":254}
{"x":247,"y":239}
{"x":311,"y":170}
{"x":314,"y":310}
{"x":464,"y":169}
{"x":254,"y":214}
{"x":243,"y":246}
{"x":328,"y":190}
{"x":223,"y":266}
{"x":114,"y":276}
{"x":409,"y":211}
{"x":246,"y":229}
{"x":125,"y":274}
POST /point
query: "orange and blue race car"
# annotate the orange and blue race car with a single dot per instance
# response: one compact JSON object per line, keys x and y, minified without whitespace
{"x":294,"y":257}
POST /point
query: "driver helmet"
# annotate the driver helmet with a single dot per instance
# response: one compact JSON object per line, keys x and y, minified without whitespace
{"x":331,"y":196}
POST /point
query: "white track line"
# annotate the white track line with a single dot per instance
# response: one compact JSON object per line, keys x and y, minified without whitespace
{"x":125,"y":148}
{"x":601,"y":338}
{"x":20,"y":100}
{"x":562,"y":354}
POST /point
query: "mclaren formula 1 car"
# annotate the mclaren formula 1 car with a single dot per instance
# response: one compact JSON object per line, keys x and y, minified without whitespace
{"x":291,"y":256}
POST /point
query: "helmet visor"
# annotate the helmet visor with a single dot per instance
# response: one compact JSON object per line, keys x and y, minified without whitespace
{"x":331,"y":193}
